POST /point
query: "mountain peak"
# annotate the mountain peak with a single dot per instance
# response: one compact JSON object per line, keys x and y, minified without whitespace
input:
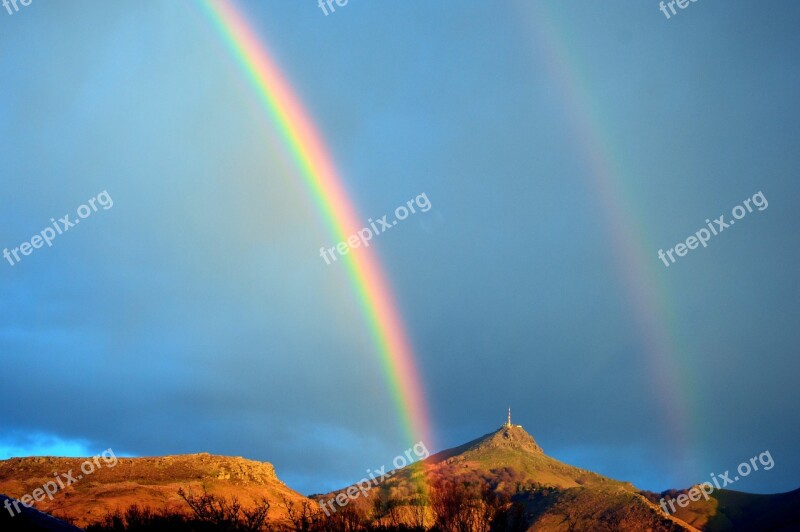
{"x":508,"y":436}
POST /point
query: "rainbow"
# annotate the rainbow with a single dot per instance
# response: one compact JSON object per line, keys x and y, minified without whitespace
{"x":636,"y":259}
{"x":304,"y":141}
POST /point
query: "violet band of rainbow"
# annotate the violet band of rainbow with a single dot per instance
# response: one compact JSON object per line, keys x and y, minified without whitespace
{"x":305,"y":143}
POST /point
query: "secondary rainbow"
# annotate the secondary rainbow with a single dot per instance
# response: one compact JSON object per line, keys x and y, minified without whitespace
{"x":637,"y":261}
{"x":305,"y":143}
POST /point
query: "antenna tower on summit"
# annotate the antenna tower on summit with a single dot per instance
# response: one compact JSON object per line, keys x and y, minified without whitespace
{"x":508,"y":424}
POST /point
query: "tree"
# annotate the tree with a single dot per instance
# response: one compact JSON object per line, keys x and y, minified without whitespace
{"x":227,"y":516}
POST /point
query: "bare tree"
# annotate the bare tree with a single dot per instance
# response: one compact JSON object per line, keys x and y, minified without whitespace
{"x":304,"y":517}
{"x":225,"y":515}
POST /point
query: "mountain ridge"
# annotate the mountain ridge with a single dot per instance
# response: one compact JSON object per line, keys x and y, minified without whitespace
{"x":505,"y":473}
{"x":146,"y":481}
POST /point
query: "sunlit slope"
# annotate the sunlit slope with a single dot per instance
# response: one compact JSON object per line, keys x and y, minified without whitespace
{"x":733,"y":510}
{"x":511,"y":447}
{"x":152,"y":482}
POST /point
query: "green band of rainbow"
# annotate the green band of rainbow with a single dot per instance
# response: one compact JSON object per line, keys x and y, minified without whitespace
{"x":304,"y":141}
{"x":637,"y":262}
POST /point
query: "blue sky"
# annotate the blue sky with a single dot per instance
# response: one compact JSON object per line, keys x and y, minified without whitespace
{"x":196,"y":314}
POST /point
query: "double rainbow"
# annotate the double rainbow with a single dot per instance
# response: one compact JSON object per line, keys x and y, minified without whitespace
{"x":305,"y":143}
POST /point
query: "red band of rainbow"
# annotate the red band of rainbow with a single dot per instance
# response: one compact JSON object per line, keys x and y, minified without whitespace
{"x":305,"y":144}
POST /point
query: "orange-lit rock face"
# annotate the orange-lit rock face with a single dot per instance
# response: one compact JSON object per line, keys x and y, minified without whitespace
{"x":152,"y":482}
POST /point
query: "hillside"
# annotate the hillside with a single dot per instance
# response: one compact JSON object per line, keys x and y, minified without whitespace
{"x":500,"y":481}
{"x":152,"y":482}
{"x":30,"y":519}
{"x":734,"y":510}
{"x":513,"y":448}
{"x":506,"y":476}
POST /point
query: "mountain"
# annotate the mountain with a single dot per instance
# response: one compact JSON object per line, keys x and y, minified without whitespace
{"x":505,"y":476}
{"x":528,"y":490}
{"x":513,"y":448}
{"x":152,"y":482}
{"x":734,"y":510}
{"x":501,"y":481}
